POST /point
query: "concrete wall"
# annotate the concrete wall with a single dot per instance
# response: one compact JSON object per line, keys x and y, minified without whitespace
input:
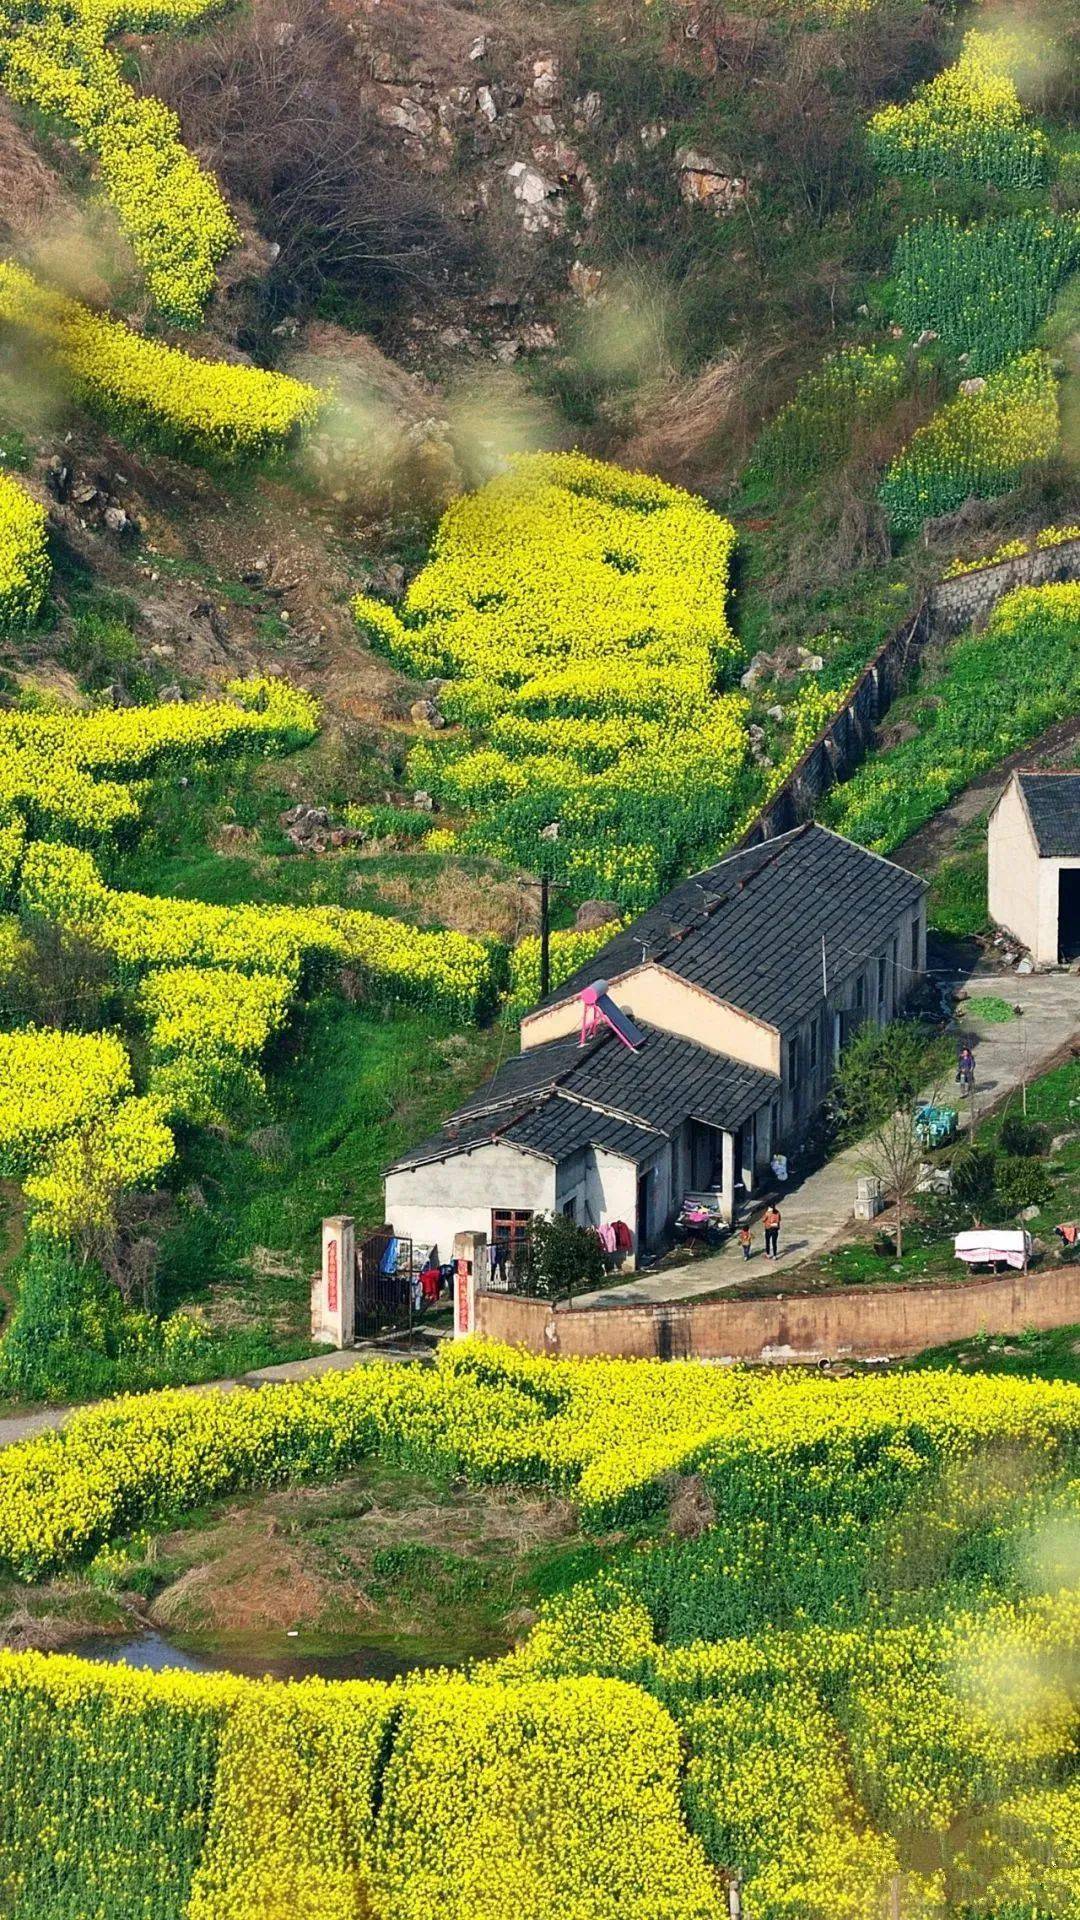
{"x":604,"y":1187}
{"x":429,"y":1204}
{"x":661,"y":999}
{"x":863,"y":1323}
{"x":1015,"y":879}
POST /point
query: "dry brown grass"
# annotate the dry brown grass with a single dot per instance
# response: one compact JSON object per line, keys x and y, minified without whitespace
{"x":30,"y":191}
{"x":252,"y":1579}
{"x":465,"y":902}
{"x":694,"y":428}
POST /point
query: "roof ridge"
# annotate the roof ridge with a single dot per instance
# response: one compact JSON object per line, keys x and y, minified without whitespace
{"x":772,"y":849}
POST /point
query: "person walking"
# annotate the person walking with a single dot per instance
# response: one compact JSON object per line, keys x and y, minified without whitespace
{"x":965,"y":1069}
{"x":746,"y":1240}
{"x":770,"y":1220}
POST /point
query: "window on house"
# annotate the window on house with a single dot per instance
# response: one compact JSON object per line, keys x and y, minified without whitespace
{"x":860,"y":990}
{"x":509,"y":1230}
{"x":570,"y":1208}
{"x":793,"y":1062}
{"x":814,"y":1032}
{"x":881,"y":980}
{"x":915,"y":944}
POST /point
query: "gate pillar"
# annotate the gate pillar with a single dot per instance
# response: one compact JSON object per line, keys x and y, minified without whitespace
{"x":333,"y":1293}
{"x":469,"y":1252}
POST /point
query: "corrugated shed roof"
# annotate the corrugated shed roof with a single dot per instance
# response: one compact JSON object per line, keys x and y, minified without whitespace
{"x":749,"y":930}
{"x":1053,"y":804}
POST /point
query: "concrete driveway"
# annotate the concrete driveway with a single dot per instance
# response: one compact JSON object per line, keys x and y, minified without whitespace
{"x":816,"y":1209}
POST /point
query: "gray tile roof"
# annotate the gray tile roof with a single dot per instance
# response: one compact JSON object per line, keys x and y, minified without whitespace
{"x":749,"y":930}
{"x":555,"y":1099}
{"x":1053,"y":804}
{"x":561,"y":1127}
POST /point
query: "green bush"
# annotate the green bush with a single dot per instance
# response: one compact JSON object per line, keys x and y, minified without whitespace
{"x":1022,"y":1138}
{"x":983,"y":289}
{"x":1021,"y":1182}
{"x":73,"y":1338}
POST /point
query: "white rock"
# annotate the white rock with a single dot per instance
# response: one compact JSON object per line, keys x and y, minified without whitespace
{"x":485,"y":104}
{"x":410,"y":116}
{"x":585,"y":281}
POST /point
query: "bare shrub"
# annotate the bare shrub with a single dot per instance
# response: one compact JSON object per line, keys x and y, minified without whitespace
{"x":271,"y":100}
{"x":692,"y":1510}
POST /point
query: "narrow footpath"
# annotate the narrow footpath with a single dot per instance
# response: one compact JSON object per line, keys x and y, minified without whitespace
{"x":23,"y":1426}
{"x":817,"y":1209}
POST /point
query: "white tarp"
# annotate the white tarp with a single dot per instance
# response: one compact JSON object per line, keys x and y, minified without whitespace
{"x":1009,"y":1246}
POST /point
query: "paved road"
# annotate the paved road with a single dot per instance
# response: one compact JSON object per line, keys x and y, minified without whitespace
{"x":23,"y":1426}
{"x":816,"y":1209}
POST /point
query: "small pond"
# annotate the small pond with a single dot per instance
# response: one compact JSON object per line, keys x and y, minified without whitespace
{"x":155,"y":1651}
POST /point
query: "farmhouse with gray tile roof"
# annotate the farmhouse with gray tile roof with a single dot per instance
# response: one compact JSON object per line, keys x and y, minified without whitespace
{"x":742,"y":985}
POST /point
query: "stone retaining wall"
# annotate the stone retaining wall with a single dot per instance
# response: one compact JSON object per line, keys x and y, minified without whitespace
{"x":860,"y":1323}
{"x":959,"y":603}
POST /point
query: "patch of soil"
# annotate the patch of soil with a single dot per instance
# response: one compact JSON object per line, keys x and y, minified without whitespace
{"x":313,"y":1558}
{"x":252,"y":1579}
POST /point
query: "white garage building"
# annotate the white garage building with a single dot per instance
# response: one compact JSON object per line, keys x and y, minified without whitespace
{"x":1034,"y":864}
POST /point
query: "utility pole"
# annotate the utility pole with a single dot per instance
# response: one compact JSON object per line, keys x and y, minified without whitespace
{"x":894,"y":1897}
{"x":734,"y":1897}
{"x":551,"y":834}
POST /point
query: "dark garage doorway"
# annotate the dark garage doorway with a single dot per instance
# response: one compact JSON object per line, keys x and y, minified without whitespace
{"x":1069,"y":913}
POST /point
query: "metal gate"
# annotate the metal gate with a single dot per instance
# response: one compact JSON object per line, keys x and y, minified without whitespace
{"x":384,"y":1285}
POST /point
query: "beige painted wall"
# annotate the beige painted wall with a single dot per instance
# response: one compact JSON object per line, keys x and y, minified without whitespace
{"x":1013,"y":874}
{"x":663,"y":1000}
{"x":1023,"y":889}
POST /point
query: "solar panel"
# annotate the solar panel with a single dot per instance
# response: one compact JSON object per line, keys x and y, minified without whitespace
{"x":630,"y":1035}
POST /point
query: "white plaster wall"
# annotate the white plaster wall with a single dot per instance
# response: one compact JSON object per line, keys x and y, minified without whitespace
{"x":430,"y":1204}
{"x":1019,"y":896}
{"x":1048,"y":888}
{"x":662,"y":1000}
{"x":612,"y":1190}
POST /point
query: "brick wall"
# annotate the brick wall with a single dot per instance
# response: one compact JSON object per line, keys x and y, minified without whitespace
{"x":863,"y":1323}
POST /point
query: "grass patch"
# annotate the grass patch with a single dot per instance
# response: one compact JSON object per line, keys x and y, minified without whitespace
{"x":352,"y":1087}
{"x":988,"y":1007}
{"x":957,"y":899}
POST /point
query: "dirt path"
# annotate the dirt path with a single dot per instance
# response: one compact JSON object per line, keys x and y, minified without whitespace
{"x":924,"y":852}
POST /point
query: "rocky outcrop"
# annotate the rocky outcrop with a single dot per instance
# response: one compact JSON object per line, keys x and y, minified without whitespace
{"x":705,"y":183}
